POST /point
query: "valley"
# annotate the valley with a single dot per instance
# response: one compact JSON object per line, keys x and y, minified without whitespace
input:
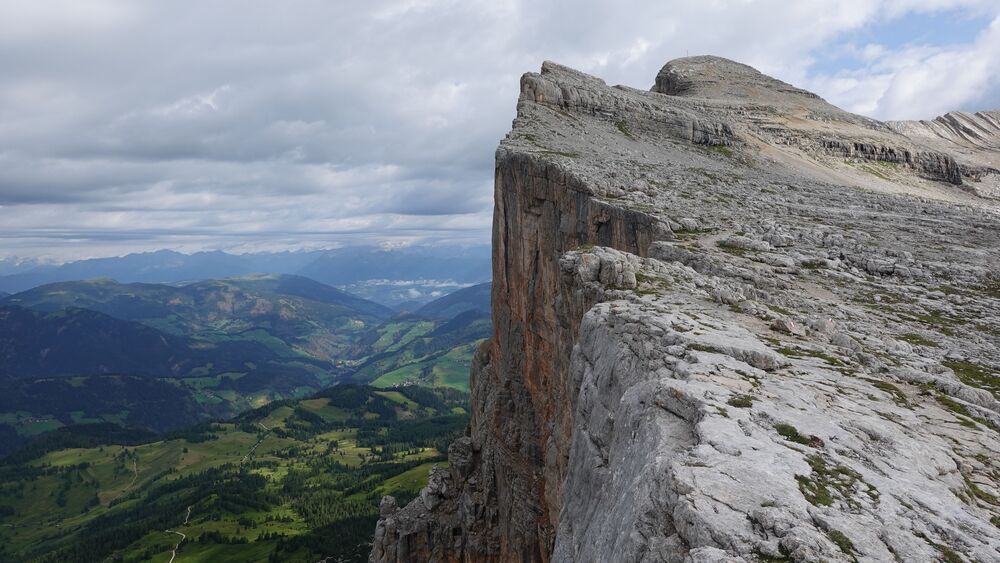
{"x":292,"y":481}
{"x":161,"y":357}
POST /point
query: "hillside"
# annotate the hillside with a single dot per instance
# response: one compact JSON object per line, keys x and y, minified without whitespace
{"x":77,"y":341}
{"x":293,"y":315}
{"x":473,"y":298}
{"x":731,"y":323}
{"x":294,"y":481}
{"x":414,"y":350}
{"x":173,"y":355}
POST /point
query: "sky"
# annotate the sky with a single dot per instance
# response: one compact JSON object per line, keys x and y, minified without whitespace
{"x":247,"y":125}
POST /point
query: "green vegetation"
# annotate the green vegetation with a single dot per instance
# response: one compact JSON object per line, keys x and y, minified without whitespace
{"x":977,"y":493}
{"x":975,"y":375}
{"x":720,"y":149}
{"x":946,"y":552}
{"x":825,"y":481}
{"x":650,"y":285}
{"x":704,"y":348}
{"x":412,"y":350}
{"x":291,"y":481}
{"x":991,"y":287}
{"x":763,"y":558}
{"x":735,"y":251}
{"x":790,"y":433}
{"x":804,"y":353}
{"x":875,"y":172}
{"x":842,"y":541}
{"x":623,"y":128}
{"x":965,"y":417}
{"x":741,"y":401}
{"x":961,"y":412}
{"x":896,"y":393}
{"x":163,"y":357}
{"x":941,"y":322}
{"x":914,"y":338}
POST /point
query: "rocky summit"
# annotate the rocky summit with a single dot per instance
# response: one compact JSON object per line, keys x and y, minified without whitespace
{"x":732,"y":323}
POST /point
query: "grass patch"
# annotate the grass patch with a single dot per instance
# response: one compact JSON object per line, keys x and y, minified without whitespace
{"x":657,"y":284}
{"x":896,"y":393}
{"x":704,"y":348}
{"x":764,"y":558}
{"x":730,"y":249}
{"x":992,"y":288}
{"x":790,"y":433}
{"x":962,"y":413}
{"x":976,"y":375}
{"x":801,"y":353}
{"x":953,"y":405}
{"x":826,"y":482}
{"x":946,"y":552}
{"x":780,"y":310}
{"x":720,"y":149}
{"x":741,"y":401}
{"x":978,"y":493}
{"x":842,"y":541}
{"x":941,"y":322}
{"x":914,"y":338}
{"x":623,"y":127}
{"x":875,"y":172}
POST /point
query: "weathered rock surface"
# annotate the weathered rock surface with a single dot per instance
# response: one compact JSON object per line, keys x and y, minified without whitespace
{"x":732,"y":323}
{"x":974,"y":139}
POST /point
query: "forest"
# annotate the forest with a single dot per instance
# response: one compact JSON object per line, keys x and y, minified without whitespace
{"x":295,"y":480}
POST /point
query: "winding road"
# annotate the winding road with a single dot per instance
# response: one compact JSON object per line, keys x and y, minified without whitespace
{"x":187,"y":518}
{"x":173,"y":552}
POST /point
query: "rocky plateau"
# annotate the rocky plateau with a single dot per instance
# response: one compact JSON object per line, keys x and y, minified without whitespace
{"x":732,"y":323}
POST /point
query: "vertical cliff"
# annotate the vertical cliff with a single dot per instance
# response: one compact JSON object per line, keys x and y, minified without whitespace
{"x":731,"y":322}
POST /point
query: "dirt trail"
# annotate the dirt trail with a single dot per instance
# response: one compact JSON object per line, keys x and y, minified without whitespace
{"x":173,"y":552}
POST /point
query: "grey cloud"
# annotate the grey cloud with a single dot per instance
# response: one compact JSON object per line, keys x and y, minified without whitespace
{"x":224,"y":124}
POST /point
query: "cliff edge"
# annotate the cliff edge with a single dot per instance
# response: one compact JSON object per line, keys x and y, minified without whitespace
{"x":732,"y":322}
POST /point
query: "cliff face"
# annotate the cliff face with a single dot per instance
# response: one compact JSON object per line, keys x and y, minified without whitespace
{"x":731,"y":322}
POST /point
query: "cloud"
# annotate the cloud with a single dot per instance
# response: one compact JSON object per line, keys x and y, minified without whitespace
{"x":239,"y":125}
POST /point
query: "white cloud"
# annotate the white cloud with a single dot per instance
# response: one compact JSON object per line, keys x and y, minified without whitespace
{"x":226,"y":124}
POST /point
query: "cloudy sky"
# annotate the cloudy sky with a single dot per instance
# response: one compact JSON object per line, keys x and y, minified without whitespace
{"x":250,"y":125}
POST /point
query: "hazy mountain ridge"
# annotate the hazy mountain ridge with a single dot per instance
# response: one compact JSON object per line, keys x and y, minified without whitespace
{"x":402,"y":274}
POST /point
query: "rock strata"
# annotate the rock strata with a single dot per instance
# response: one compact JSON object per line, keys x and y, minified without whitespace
{"x":731,"y":323}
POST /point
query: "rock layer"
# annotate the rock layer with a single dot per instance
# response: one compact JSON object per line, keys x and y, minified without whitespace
{"x":731,"y":323}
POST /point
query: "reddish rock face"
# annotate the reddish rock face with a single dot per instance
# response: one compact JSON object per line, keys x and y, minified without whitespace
{"x":505,"y":506}
{"x":541,"y":213}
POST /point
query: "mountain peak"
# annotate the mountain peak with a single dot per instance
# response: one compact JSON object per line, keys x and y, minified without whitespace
{"x":707,"y":76}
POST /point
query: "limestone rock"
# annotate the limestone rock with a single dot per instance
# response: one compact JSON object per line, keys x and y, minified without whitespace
{"x":651,"y":391}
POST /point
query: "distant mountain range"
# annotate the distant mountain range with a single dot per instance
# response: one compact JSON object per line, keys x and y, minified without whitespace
{"x":389,"y":276}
